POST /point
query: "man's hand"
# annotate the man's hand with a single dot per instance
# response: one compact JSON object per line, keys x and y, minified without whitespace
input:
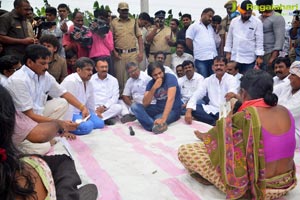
{"x":64,"y":27}
{"x":229,"y":96}
{"x":259,"y":61}
{"x":188,"y":116}
{"x":159,"y":121}
{"x":139,"y":57}
{"x":117,"y":55}
{"x":69,"y":126}
{"x":157,"y":83}
{"x":228,"y":56}
{"x":85,"y":112}
{"x":100,"y":110}
{"x":68,"y":135}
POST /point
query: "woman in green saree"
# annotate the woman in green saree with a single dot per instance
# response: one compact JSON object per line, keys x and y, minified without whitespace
{"x":248,"y":154}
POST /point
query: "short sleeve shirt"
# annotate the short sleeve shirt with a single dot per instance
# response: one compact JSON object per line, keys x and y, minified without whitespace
{"x":30,"y":91}
{"x":161,"y":94}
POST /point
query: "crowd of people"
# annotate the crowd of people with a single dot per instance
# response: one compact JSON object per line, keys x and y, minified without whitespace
{"x":61,"y":77}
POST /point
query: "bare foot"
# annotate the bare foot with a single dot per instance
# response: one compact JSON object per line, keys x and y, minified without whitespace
{"x":198,"y":134}
{"x":68,"y":136}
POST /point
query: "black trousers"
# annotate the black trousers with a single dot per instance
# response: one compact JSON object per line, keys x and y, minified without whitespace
{"x":65,"y":176}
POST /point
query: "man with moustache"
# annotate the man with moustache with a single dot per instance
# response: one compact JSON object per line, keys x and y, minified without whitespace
{"x":289,"y":96}
{"x":219,"y":87}
{"x":165,"y":90}
{"x":128,"y":43}
{"x":189,"y":83}
{"x":202,"y":39}
{"x":31,"y":85}
{"x":281,"y":66}
{"x":106,"y":91}
{"x":244,"y":42}
{"x":179,"y":56}
{"x":79,"y":85}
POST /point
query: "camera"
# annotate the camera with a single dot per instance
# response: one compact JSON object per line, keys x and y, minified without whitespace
{"x":44,"y":24}
{"x":100,"y":27}
{"x":296,"y":13}
{"x":161,"y":22}
{"x":84,"y":40}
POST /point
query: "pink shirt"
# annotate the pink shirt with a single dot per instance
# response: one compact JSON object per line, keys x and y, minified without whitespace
{"x":102,"y":47}
{"x":23,"y":127}
{"x":67,"y":41}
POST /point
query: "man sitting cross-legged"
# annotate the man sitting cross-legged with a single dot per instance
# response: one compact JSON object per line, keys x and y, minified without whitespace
{"x":134,"y":90}
{"x":165,"y":90}
{"x":79,"y":85}
{"x":106,"y":90}
{"x":219,"y":87}
{"x":31,"y":85}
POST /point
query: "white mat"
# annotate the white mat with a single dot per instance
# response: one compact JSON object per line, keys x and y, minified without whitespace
{"x":143,"y":166}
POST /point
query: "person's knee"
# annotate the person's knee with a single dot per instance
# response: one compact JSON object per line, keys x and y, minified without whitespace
{"x":135,"y":107}
{"x":84,"y":128}
{"x":97,"y":122}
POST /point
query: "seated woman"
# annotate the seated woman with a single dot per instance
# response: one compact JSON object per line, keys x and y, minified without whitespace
{"x":249,"y":154}
{"x":35,"y":177}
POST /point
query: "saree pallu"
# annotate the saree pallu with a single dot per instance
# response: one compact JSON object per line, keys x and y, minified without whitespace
{"x":231,"y":157}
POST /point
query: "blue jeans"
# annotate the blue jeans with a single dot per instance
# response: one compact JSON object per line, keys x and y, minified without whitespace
{"x":204,"y":67}
{"x":201,"y":115}
{"x":147,"y":115}
{"x":243,"y":68}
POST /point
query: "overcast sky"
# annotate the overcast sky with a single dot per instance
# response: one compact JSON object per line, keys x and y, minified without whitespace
{"x":193,"y":7}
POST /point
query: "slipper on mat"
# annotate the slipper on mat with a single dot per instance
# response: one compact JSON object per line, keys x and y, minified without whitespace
{"x":159,"y":128}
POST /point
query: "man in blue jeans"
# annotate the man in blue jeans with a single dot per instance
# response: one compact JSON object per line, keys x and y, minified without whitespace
{"x":165,"y":90}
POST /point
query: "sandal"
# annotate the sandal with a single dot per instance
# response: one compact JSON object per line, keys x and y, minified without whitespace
{"x":159,"y":128}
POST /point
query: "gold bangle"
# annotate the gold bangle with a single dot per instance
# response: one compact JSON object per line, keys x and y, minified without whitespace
{"x":81,"y":107}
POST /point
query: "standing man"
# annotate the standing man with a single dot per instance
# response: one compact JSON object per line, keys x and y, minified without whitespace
{"x":295,"y":33}
{"x":230,"y":7}
{"x":14,"y":34}
{"x":165,"y":90}
{"x":158,"y":36}
{"x":126,"y":35}
{"x":186,"y":21}
{"x":219,"y":87}
{"x":134,"y":90}
{"x":274,"y":32}
{"x":244,"y":42}
{"x":64,"y":23}
{"x":201,"y":38}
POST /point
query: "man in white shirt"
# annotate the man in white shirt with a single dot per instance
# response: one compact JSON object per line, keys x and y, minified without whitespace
{"x":281,"y":66}
{"x":201,"y":38}
{"x":233,"y":69}
{"x":219,"y":87}
{"x":79,"y":85}
{"x":179,"y":56}
{"x":244,"y":42}
{"x":31,"y":85}
{"x":106,"y":90}
{"x":189,"y":82}
{"x":134,"y":90}
{"x":289,"y":96}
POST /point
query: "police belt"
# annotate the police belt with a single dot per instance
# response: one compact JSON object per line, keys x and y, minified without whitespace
{"x":125,"y":50}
